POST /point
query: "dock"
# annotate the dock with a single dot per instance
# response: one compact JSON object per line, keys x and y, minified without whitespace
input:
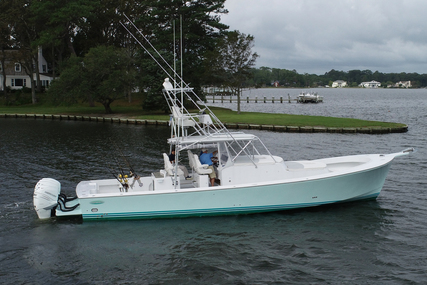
{"x":281,"y":99}
{"x":231,"y":99}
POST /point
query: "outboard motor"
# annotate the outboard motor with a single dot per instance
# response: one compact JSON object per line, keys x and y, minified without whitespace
{"x":45,"y":197}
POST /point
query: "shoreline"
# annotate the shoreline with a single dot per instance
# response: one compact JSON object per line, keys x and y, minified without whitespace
{"x":238,"y":126}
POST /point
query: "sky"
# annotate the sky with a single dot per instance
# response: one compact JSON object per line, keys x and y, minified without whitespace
{"x":315,"y":36}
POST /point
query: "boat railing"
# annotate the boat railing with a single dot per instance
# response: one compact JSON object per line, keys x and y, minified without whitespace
{"x":175,"y":97}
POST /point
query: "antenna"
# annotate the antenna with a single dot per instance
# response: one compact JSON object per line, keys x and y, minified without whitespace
{"x":182,"y":73}
{"x":174,"y":55}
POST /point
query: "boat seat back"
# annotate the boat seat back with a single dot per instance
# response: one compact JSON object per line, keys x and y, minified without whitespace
{"x":191,"y":159}
{"x":181,"y":119}
{"x":170,"y":169}
{"x":201,"y":168}
{"x":167,"y":84}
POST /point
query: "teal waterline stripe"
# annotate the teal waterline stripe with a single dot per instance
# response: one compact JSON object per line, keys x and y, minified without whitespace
{"x":200,"y":211}
{"x":234,"y":210}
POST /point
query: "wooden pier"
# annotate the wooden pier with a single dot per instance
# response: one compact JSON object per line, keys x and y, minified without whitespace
{"x":231,"y":99}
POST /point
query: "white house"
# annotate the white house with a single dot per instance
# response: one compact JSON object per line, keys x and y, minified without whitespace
{"x":403,"y":84}
{"x":17,"y":78}
{"x":339,"y":83}
{"x":370,"y":84}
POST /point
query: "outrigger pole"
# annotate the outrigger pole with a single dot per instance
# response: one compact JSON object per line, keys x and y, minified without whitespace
{"x":217,"y":125}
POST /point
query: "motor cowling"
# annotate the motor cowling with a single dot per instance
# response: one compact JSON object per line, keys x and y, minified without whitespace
{"x":45,"y":196}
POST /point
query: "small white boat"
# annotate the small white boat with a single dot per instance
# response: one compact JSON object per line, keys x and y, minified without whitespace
{"x":249,"y":179}
{"x":309,"y":97}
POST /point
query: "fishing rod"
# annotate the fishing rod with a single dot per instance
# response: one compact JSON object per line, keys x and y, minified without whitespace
{"x":131,"y":169}
{"x":132,"y":172}
{"x":121,"y":177}
{"x":119,"y":166}
{"x":117,"y":177}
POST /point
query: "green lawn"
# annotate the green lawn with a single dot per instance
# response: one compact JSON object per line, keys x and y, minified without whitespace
{"x":132,"y":110}
{"x":228,"y":116}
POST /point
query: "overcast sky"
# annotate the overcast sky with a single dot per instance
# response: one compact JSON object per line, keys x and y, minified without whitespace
{"x":315,"y":36}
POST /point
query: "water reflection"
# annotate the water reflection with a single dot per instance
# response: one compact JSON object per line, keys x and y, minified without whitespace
{"x":242,"y":248}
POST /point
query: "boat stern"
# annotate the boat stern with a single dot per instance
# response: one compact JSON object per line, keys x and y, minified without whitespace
{"x":49,"y":201}
{"x":45,"y":197}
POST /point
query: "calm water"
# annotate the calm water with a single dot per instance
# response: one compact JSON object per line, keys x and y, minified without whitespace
{"x":375,"y":242}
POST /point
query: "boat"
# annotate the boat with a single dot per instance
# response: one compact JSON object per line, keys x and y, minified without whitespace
{"x":309,"y":97}
{"x":249,"y":178}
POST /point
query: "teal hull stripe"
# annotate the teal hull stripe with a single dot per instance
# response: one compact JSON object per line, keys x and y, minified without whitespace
{"x":218,"y":211}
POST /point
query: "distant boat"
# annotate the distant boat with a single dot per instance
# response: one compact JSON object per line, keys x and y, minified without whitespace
{"x":308,"y":97}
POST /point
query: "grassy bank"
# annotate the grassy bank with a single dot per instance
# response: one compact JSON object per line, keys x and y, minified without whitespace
{"x":229,"y":116}
{"x":134,"y":110}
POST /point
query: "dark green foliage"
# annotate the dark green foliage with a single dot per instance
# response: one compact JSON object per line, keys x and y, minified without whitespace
{"x":71,"y":28}
{"x":200,"y":28}
{"x":17,"y":97}
{"x":265,"y":76}
{"x":231,"y":61}
{"x":104,"y":75}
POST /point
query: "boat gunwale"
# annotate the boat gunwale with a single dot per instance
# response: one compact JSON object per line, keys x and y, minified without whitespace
{"x":329,"y":175}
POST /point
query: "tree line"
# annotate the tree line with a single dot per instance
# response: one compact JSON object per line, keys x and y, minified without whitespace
{"x":95,"y":59}
{"x":265,"y":76}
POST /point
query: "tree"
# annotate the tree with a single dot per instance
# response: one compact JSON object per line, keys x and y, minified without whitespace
{"x":24,"y":32}
{"x":201,"y":28}
{"x":71,"y":28}
{"x":103,"y":75}
{"x":62,"y":22}
{"x":234,"y":60}
{"x":5,"y":39}
{"x":264,"y":76}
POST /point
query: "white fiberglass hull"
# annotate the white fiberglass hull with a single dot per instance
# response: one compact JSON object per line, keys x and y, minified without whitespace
{"x":356,"y":184}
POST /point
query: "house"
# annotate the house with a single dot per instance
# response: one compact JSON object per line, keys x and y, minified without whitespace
{"x":339,"y":83}
{"x":17,"y":78}
{"x":403,"y":84}
{"x":370,"y":84}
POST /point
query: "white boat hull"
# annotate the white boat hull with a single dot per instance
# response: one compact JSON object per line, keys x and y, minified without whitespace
{"x":309,"y":98}
{"x":221,"y":200}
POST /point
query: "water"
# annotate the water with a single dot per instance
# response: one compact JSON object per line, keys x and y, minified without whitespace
{"x":380,"y":241}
